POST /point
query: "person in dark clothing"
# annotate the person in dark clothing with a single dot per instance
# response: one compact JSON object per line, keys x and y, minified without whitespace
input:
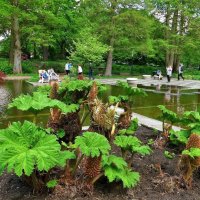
{"x":180,"y":72}
{"x":91,"y":76}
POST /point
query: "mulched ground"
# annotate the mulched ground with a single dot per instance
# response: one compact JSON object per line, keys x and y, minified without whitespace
{"x":153,"y":185}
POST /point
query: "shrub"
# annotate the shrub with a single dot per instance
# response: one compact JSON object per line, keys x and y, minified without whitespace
{"x":5,"y":67}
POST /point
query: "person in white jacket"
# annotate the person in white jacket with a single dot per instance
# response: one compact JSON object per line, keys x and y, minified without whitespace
{"x":169,"y":73}
{"x":80,"y":70}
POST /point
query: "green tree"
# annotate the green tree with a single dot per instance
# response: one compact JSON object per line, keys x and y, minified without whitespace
{"x":177,"y":17}
{"x":88,"y":48}
{"x":121,"y":26}
{"x":35,"y":23}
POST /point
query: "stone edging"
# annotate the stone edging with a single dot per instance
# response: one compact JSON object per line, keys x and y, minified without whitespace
{"x":17,"y":77}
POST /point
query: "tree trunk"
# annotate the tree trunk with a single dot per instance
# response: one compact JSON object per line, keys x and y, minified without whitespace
{"x":176,"y":61}
{"x":175,"y":40}
{"x":62,"y":50}
{"x":109,"y":59}
{"x":170,"y":55}
{"x":17,"y":68}
{"x":11,"y":53}
{"x":113,"y":7}
{"x":45,"y":52}
{"x":167,"y":22}
{"x":34,"y":51}
{"x":179,"y":41}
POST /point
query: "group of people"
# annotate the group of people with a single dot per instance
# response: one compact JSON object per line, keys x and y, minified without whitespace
{"x":68,"y":67}
{"x":47,"y":76}
{"x":169,"y":72}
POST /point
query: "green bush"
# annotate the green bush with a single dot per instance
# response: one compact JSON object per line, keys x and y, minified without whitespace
{"x":28,"y":67}
{"x":31,"y":66}
{"x":5,"y":66}
{"x":135,"y":69}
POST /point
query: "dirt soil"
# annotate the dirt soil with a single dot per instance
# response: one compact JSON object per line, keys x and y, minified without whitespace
{"x":156,"y":183}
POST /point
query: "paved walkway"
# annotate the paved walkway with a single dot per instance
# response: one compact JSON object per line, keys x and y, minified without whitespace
{"x":193,"y":84}
{"x":151,"y":123}
{"x":148,"y":122}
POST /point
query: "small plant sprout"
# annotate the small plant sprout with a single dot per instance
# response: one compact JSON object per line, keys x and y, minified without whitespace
{"x":131,"y":129}
{"x":169,"y":155}
{"x":155,"y":131}
{"x":150,"y":142}
{"x":52,"y":183}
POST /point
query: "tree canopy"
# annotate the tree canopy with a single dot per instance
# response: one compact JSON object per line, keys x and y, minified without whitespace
{"x":161,"y":31}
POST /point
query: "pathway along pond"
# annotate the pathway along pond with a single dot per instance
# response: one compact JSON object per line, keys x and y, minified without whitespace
{"x":175,"y":98}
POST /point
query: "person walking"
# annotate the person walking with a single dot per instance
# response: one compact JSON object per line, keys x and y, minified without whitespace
{"x":80,"y":72}
{"x":169,"y":73}
{"x":91,"y":76}
{"x":180,"y":72}
{"x":67,"y":68}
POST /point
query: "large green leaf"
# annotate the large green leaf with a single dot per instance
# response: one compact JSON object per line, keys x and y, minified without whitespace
{"x":132,"y":144}
{"x":114,"y":161}
{"x":92,"y":144}
{"x":38,"y":102}
{"x":115,"y":169}
{"x":131,"y":91}
{"x":193,"y":152}
{"x":168,"y":114}
{"x":24,"y":147}
{"x":181,"y":136}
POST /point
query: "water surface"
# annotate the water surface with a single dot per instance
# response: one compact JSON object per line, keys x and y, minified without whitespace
{"x":175,"y":98}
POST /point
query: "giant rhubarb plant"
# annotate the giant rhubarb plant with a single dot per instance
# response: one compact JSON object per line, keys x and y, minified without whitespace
{"x":190,"y":120}
{"x":28,"y":150}
{"x":125,"y":102}
{"x":95,"y":161}
{"x":190,"y":159}
{"x":92,"y":146}
{"x":38,"y":102}
{"x":74,"y":91}
{"x":168,"y":116}
{"x":132,"y":145}
{"x":116,"y":169}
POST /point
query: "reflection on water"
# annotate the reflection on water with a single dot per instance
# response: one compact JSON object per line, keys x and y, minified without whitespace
{"x":8,"y":91}
{"x":175,"y":98}
{"x":5,"y":96}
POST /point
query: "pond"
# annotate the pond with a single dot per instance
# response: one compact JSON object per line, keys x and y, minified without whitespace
{"x":175,"y":98}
